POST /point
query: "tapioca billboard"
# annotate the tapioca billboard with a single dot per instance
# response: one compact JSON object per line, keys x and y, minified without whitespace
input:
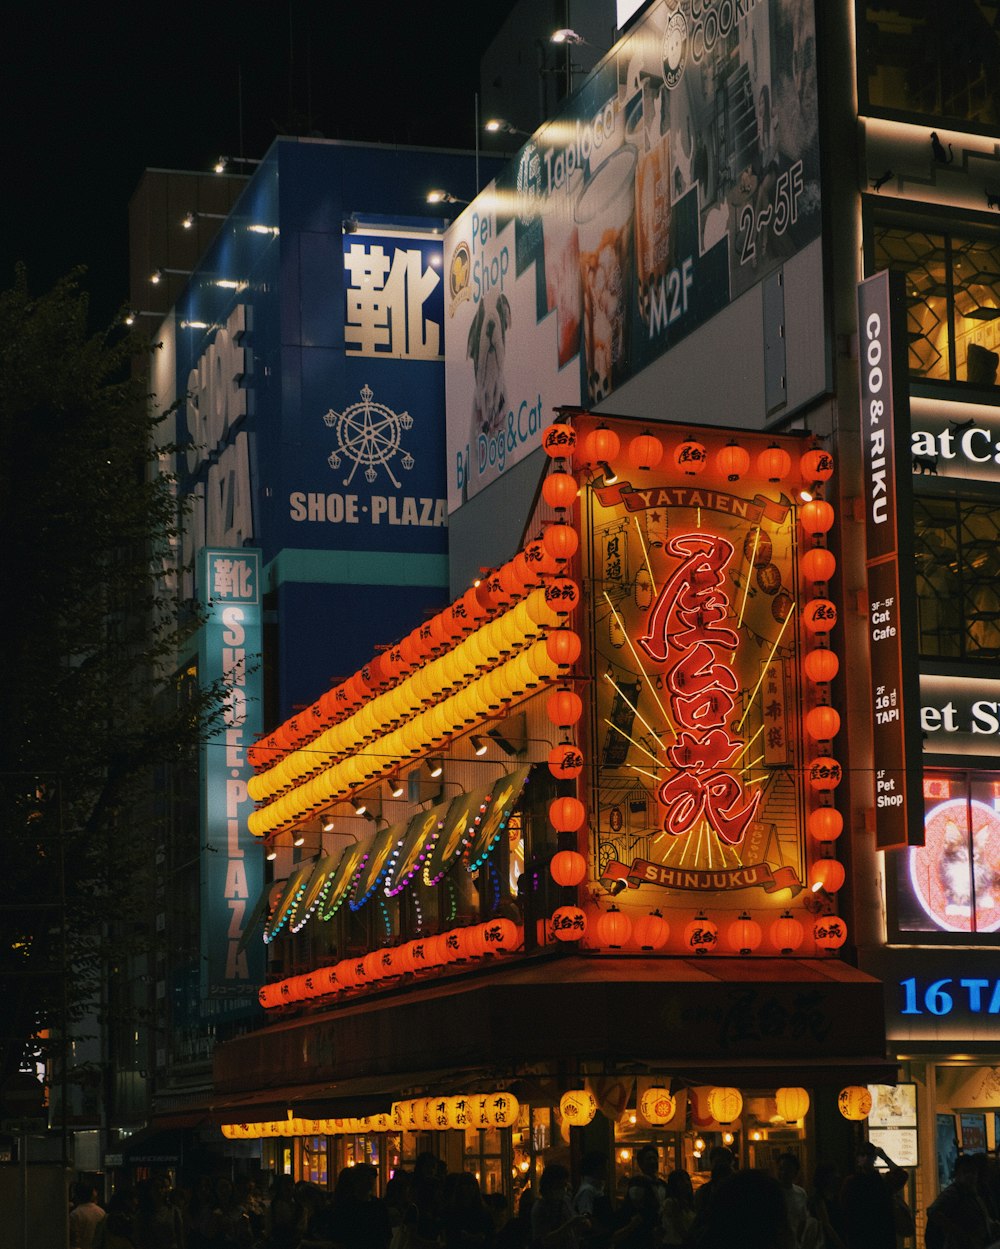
{"x":682,"y":172}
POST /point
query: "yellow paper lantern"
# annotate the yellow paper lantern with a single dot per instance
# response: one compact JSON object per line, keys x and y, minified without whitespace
{"x":725,"y":1104}
{"x":657,"y":1106}
{"x":854,"y":1102}
{"x":578,"y":1107}
{"x":792,"y":1104}
{"x":460,"y":1112}
{"x":503,"y":1109}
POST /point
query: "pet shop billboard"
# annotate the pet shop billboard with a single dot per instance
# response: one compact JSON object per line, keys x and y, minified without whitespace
{"x":683,"y":171}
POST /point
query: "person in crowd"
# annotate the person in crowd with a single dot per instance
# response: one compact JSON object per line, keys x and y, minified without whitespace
{"x":747,"y":1211}
{"x":678,"y":1208}
{"x":358,"y":1219}
{"x":468,"y":1224}
{"x":722,"y":1164}
{"x":796,"y":1202}
{"x":85,"y":1215}
{"x":866,"y":1202}
{"x":824,"y":1206}
{"x":200,"y":1218}
{"x":648,"y":1162}
{"x":516,"y":1232}
{"x":116,"y":1231}
{"x":637,"y":1222}
{"x":958,"y":1218}
{"x":906,"y":1225}
{"x":423,"y":1216}
{"x":591,"y":1199}
{"x":554,"y":1222}
{"x":158,"y":1223}
{"x":284,"y":1217}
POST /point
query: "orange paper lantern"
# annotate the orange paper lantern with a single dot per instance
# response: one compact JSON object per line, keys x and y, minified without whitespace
{"x":561,"y":542}
{"x":701,"y":935}
{"x":786,"y":933}
{"x":564,"y":708}
{"x":816,"y":465}
{"x":566,"y":815}
{"x":645,"y":451}
{"x":818,"y":563}
{"x":829,"y":932}
{"x":819,"y":615}
{"x":827,"y":874}
{"x":565,"y":761}
{"x":816,"y":516}
{"x":854,"y":1102}
{"x":614,"y":928}
{"x":568,"y":868}
{"x":725,"y":1104}
{"x":558,"y":440}
{"x":774,"y":462}
{"x":559,"y":490}
{"x":824,"y":773}
{"x":821,"y":665}
{"x":822,"y":723}
{"x":563,"y":646}
{"x":691,"y":457}
{"x":745,"y":935}
{"x":826,"y":823}
{"x":732,"y":461}
{"x":651,"y":931}
{"x":568,"y":923}
{"x":601,"y":444}
{"x":657,"y":1106}
{"x":792,"y":1104}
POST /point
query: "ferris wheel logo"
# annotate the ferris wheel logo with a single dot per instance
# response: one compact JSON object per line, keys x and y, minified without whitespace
{"x":368,"y":435}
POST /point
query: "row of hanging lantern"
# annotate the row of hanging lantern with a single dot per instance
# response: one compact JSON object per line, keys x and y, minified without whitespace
{"x":453,"y":946}
{"x":821,"y":664}
{"x":601,"y":446}
{"x":613,"y":929}
{"x":522,"y":605}
{"x":461,"y":692}
{"x":577,"y":1107}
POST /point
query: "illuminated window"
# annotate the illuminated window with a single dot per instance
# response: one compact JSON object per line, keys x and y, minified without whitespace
{"x":940,"y":59}
{"x":951,"y":885}
{"x":957,"y":559}
{"x":952,"y":301}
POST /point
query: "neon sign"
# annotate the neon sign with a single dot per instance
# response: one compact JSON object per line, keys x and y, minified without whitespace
{"x":685,"y":625}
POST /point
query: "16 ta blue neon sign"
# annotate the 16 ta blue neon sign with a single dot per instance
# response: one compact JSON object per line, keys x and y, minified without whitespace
{"x":943,"y":997}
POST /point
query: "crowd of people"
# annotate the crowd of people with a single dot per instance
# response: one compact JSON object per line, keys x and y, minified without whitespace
{"x":431,"y":1208}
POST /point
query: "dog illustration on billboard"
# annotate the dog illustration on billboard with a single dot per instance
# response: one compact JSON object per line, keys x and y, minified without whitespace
{"x":487,"y":350}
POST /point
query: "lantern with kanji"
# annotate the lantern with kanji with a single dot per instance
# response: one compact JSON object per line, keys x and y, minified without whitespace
{"x":829,"y":932}
{"x":565,"y":761}
{"x":824,"y":773}
{"x":614,"y":928}
{"x":651,"y":931}
{"x":816,"y":465}
{"x":657,"y":1106}
{"x":558,"y":440}
{"x":691,"y":457}
{"x":568,"y":867}
{"x":854,"y":1102}
{"x":568,"y":923}
{"x":701,"y":935}
{"x":792,"y":1104}
{"x":503,"y":1110}
{"x":786,"y":933}
{"x":819,"y":615}
{"x":578,"y":1107}
{"x":725,"y":1104}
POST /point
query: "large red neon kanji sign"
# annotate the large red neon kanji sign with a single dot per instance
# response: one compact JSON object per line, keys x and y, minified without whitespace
{"x":685,"y":625}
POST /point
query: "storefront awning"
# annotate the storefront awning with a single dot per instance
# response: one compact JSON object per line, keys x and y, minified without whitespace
{"x":285,"y":905}
{"x":377,"y":864}
{"x":422,"y":834}
{"x":749,"y":1022}
{"x":316,"y":887}
{"x":490,"y":829}
{"x":462,"y":815}
{"x":350,"y":864}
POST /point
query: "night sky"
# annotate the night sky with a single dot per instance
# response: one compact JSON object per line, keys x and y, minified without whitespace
{"x":94,"y":94}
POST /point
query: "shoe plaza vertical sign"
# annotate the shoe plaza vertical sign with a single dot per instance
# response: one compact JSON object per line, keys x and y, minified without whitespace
{"x":231,"y":867}
{"x":890,"y":605}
